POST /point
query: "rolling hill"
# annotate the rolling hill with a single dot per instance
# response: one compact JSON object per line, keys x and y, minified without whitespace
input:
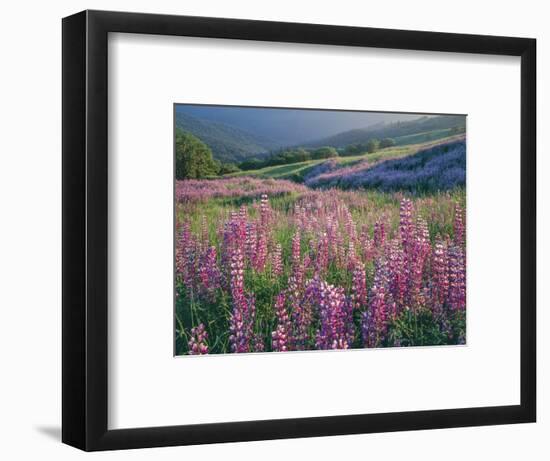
{"x":399,"y":130}
{"x":228,"y":144}
{"x":309,"y":170}
{"x":437,"y":168}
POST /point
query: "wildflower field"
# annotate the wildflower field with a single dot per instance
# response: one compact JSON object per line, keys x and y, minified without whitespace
{"x":347,"y":259}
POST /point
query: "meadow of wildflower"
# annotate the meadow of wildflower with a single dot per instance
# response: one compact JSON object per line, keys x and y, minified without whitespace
{"x":270,"y":265}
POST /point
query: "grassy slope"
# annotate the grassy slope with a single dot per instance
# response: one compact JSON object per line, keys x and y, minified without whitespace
{"x":423,"y":137}
{"x":297,"y":171}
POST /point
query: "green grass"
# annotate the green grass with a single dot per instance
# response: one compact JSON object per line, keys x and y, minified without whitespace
{"x":426,"y":136}
{"x":290,"y":171}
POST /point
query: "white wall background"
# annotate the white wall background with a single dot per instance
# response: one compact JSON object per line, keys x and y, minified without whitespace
{"x":30,"y":241}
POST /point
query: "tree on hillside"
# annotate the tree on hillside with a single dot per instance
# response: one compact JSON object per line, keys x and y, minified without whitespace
{"x":324,"y":152}
{"x":372,"y":145}
{"x":227,"y":168}
{"x":387,"y":142}
{"x":251,"y":164}
{"x":193,"y":157}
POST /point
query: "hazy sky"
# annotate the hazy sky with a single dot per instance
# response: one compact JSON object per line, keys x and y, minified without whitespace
{"x":291,"y":125}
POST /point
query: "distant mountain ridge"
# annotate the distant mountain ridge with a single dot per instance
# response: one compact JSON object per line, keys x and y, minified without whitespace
{"x":228,"y":143}
{"x":390,"y":130}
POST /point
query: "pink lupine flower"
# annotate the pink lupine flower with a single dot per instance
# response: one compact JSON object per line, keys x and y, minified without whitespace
{"x":260,"y":257}
{"x":351,"y":256}
{"x":419,"y":251}
{"x":359,"y":287}
{"x":241,"y":315}
{"x":258,"y":343}
{"x":265,"y":212}
{"x":251,"y":242}
{"x":397,"y":273}
{"x":457,"y":278}
{"x":198,"y":342}
{"x":277,"y":261}
{"x":281,"y":337}
{"x":322,"y":259}
{"x":374,"y":320}
{"x":243,"y":213}
{"x":367,"y":245}
{"x":349,"y":225}
{"x":307,"y":261}
{"x":205,"y":236}
{"x":332,"y":238}
{"x":379,"y":233}
{"x":440,"y":275}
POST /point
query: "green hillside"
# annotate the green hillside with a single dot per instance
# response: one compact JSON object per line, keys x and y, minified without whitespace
{"x":298,"y":171}
{"x":228,"y":144}
{"x":423,"y":125}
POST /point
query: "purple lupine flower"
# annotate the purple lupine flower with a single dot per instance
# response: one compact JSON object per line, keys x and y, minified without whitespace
{"x":209,"y":273}
{"x":301,"y":311}
{"x":334,"y":315}
{"x":374,"y":320}
{"x":281,"y":337}
{"x":198,"y":341}
{"x":186,"y":256}
{"x":359,"y":287}
{"x":258,"y":343}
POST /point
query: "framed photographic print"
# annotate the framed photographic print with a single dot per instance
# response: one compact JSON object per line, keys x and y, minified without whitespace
{"x":276,"y":230}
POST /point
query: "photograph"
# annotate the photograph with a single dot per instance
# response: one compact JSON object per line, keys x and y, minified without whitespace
{"x":315,"y":229}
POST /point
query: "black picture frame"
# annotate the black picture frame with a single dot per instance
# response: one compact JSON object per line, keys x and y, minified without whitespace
{"x":85,"y":220}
